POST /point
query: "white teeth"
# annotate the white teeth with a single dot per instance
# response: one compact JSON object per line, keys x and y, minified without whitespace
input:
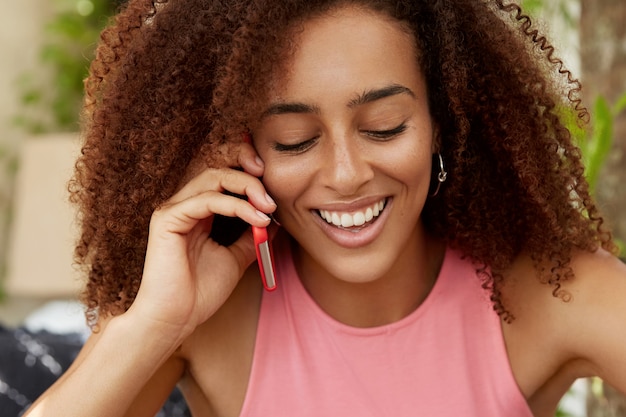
{"x":356,"y":219}
{"x":359,"y":219}
{"x":347,"y":220}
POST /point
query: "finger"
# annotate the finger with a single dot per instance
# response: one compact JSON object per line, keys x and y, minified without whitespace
{"x":184,"y":216}
{"x":243,"y":250}
{"x":227,"y":179}
{"x":242,"y":154}
{"x":202,"y":231}
{"x":250,"y":160}
{"x":227,"y":152}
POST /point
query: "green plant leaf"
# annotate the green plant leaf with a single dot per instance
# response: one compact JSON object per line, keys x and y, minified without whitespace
{"x":54,"y":105}
{"x":601,"y":140}
{"x":620,"y":105}
{"x":533,"y":7}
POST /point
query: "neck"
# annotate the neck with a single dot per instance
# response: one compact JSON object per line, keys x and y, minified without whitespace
{"x":381,"y":301}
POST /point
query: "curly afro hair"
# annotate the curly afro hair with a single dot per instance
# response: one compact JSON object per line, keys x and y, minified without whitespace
{"x":175,"y":80}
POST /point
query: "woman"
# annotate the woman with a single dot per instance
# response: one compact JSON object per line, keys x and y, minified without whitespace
{"x":422,"y":178}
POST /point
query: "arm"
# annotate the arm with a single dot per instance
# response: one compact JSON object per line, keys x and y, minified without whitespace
{"x":131,"y":363}
{"x":551,"y":343}
{"x":141,"y":372}
{"x":598,"y":324}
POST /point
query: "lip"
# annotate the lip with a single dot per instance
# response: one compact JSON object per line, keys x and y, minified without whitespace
{"x":352,"y":238}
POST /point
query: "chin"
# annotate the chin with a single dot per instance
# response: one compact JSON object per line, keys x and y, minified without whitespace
{"x":358,"y":270}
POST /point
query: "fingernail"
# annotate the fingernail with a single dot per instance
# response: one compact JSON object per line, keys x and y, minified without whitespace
{"x":259,"y":161}
{"x":270,"y":199}
{"x":263,"y":215}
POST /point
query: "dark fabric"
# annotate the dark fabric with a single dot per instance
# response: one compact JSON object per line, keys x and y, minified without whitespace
{"x":31,"y":362}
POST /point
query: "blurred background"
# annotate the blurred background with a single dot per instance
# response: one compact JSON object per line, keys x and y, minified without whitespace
{"x":47,"y":46}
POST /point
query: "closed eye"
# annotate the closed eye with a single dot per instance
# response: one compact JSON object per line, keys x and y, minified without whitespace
{"x":386,"y":134}
{"x":296,"y":147}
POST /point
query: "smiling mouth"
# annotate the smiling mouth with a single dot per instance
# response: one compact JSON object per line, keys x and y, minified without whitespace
{"x":353,"y":221}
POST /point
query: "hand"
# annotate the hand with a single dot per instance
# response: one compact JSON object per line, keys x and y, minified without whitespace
{"x":188,"y":276}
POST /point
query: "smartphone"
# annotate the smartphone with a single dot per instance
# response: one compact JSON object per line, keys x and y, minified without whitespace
{"x":264,"y":257}
{"x":226,"y":230}
{"x":263,"y":248}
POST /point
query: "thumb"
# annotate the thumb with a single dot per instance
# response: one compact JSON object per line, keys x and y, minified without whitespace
{"x":244,"y":251}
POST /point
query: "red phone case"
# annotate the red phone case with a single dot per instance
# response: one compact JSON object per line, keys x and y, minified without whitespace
{"x":263,"y":248}
{"x":264,"y":257}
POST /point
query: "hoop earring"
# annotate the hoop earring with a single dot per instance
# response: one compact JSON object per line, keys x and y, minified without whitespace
{"x":441,"y":176}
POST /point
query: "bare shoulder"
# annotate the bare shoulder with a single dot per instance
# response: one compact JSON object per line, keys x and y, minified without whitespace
{"x":219,"y":352}
{"x":555,"y":340}
{"x":597,"y":314}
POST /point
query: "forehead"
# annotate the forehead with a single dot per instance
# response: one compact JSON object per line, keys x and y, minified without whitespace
{"x":355,"y":45}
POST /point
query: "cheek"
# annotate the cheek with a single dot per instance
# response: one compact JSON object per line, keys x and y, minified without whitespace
{"x":284,"y":180}
{"x":410,"y":165}
{"x":416,"y":170}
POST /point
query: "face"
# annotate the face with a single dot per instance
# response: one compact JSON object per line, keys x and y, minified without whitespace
{"x":347,"y":141}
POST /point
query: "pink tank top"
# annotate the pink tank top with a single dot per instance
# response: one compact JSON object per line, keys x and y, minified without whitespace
{"x":447,"y":358}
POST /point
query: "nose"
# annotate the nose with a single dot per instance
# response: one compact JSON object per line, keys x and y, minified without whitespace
{"x":347,"y":165}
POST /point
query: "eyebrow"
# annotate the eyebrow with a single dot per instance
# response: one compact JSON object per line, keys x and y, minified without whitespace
{"x":364,"y":98}
{"x":380,"y":93}
{"x":285,"y":108}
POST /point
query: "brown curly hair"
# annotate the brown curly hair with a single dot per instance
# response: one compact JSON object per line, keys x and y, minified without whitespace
{"x":173,"y":80}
